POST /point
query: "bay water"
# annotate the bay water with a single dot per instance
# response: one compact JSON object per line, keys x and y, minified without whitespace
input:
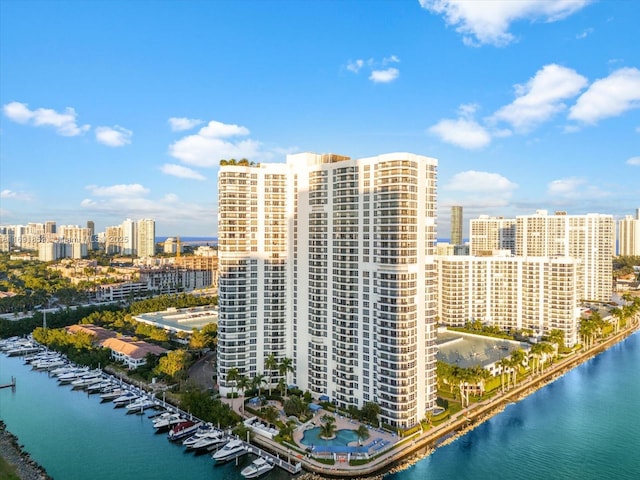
{"x":585,"y":425}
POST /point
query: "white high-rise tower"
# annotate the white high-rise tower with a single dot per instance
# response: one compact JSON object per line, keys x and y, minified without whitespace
{"x":329,"y":261}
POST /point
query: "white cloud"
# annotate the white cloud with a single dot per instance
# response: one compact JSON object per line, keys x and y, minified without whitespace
{"x":391,"y":59}
{"x":488,"y":21}
{"x":210,"y":145}
{"x":12,"y":194}
{"x":574,"y":188}
{"x":113,"y":136}
{"x":355,"y":66}
{"x":384,"y":76}
{"x":179,"y":124}
{"x":378,"y":71}
{"x":474,"y":181}
{"x":541,"y":97}
{"x":608,"y":97}
{"x":168,"y":211}
{"x":181,"y":171}
{"x":64,"y":123}
{"x":122,"y":190}
{"x":465,"y":133}
{"x":585,"y":33}
{"x":480,"y":189}
{"x":635,"y":161}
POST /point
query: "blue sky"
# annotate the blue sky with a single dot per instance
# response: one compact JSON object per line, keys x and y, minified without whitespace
{"x":115,"y":109}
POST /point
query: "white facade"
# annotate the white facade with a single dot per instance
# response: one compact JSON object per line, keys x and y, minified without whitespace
{"x":128,"y":239}
{"x":629,"y":235}
{"x":512,"y":293}
{"x":146,"y":238}
{"x":589,"y":238}
{"x":492,"y":233}
{"x":330,"y":261}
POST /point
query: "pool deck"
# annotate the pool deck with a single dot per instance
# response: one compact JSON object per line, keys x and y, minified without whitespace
{"x":377,"y":442}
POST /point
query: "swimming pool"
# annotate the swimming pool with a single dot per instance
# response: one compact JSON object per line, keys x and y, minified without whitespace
{"x":311,"y":438}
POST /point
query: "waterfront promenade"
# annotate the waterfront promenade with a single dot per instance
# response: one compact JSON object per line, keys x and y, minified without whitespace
{"x":406,"y":451}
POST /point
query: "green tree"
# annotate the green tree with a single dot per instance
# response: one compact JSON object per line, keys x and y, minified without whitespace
{"x":270,"y":364}
{"x":174,"y":362}
{"x":328,"y":427}
{"x":362,"y":433}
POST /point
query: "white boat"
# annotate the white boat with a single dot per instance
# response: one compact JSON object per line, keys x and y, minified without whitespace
{"x":112,"y":394}
{"x":140,"y":405}
{"x":124,"y":399}
{"x":166,"y":421}
{"x":72,"y":375}
{"x":258,"y":467}
{"x":231,"y":450}
{"x":94,"y":376}
{"x":102,"y":386}
{"x":205,"y":439}
{"x":183,"y":430}
{"x":48,"y":363}
{"x":209,"y":442}
{"x":56,"y":372}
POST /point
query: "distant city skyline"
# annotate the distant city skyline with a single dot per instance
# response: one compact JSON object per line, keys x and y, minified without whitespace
{"x":106,"y":116}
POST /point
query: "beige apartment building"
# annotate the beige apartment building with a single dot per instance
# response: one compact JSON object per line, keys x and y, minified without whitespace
{"x":513,"y":293}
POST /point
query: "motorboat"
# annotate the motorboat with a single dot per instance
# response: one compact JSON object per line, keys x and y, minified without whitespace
{"x":48,"y":363}
{"x":258,"y":467}
{"x":231,"y":450}
{"x":67,"y":368}
{"x":72,"y":375}
{"x":205,"y":439}
{"x":103,"y":386}
{"x":140,"y":405}
{"x":124,"y":399}
{"x":183,"y":430}
{"x":167,"y":420}
{"x":112,"y":394}
{"x":94,"y":376}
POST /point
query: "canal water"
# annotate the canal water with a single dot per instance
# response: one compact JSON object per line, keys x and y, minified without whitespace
{"x":586,"y":425}
{"x":75,"y":437}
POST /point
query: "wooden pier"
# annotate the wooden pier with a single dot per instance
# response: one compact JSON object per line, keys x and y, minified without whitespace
{"x":12,"y":384}
{"x":291,"y":468}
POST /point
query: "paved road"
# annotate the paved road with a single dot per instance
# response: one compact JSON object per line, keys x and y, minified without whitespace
{"x":203,"y":370}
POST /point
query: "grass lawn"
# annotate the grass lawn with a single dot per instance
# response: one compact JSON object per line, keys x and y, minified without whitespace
{"x":7,"y":472}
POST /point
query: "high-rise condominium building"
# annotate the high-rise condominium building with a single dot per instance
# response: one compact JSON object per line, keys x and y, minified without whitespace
{"x":129,"y":237}
{"x":146,"y":238}
{"x":492,"y":233}
{"x":329,"y":261}
{"x":456,"y":225}
{"x":589,"y":238}
{"x":535,"y":293}
{"x":629,"y":235}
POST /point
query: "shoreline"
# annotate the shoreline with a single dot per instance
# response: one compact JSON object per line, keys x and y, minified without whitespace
{"x":424,"y":444}
{"x":12,"y":452}
{"x":411,"y":450}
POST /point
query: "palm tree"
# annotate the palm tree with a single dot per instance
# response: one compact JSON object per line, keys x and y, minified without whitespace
{"x":556,"y":336}
{"x":243,"y":383}
{"x":547,"y":350}
{"x":270,"y":364}
{"x":232,"y":376}
{"x":517,"y":356}
{"x":257,"y":382}
{"x":362,"y":433}
{"x":328,"y":427}
{"x":504,"y":364}
{"x":282,"y":386}
{"x":285,"y":366}
{"x":286,"y":432}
